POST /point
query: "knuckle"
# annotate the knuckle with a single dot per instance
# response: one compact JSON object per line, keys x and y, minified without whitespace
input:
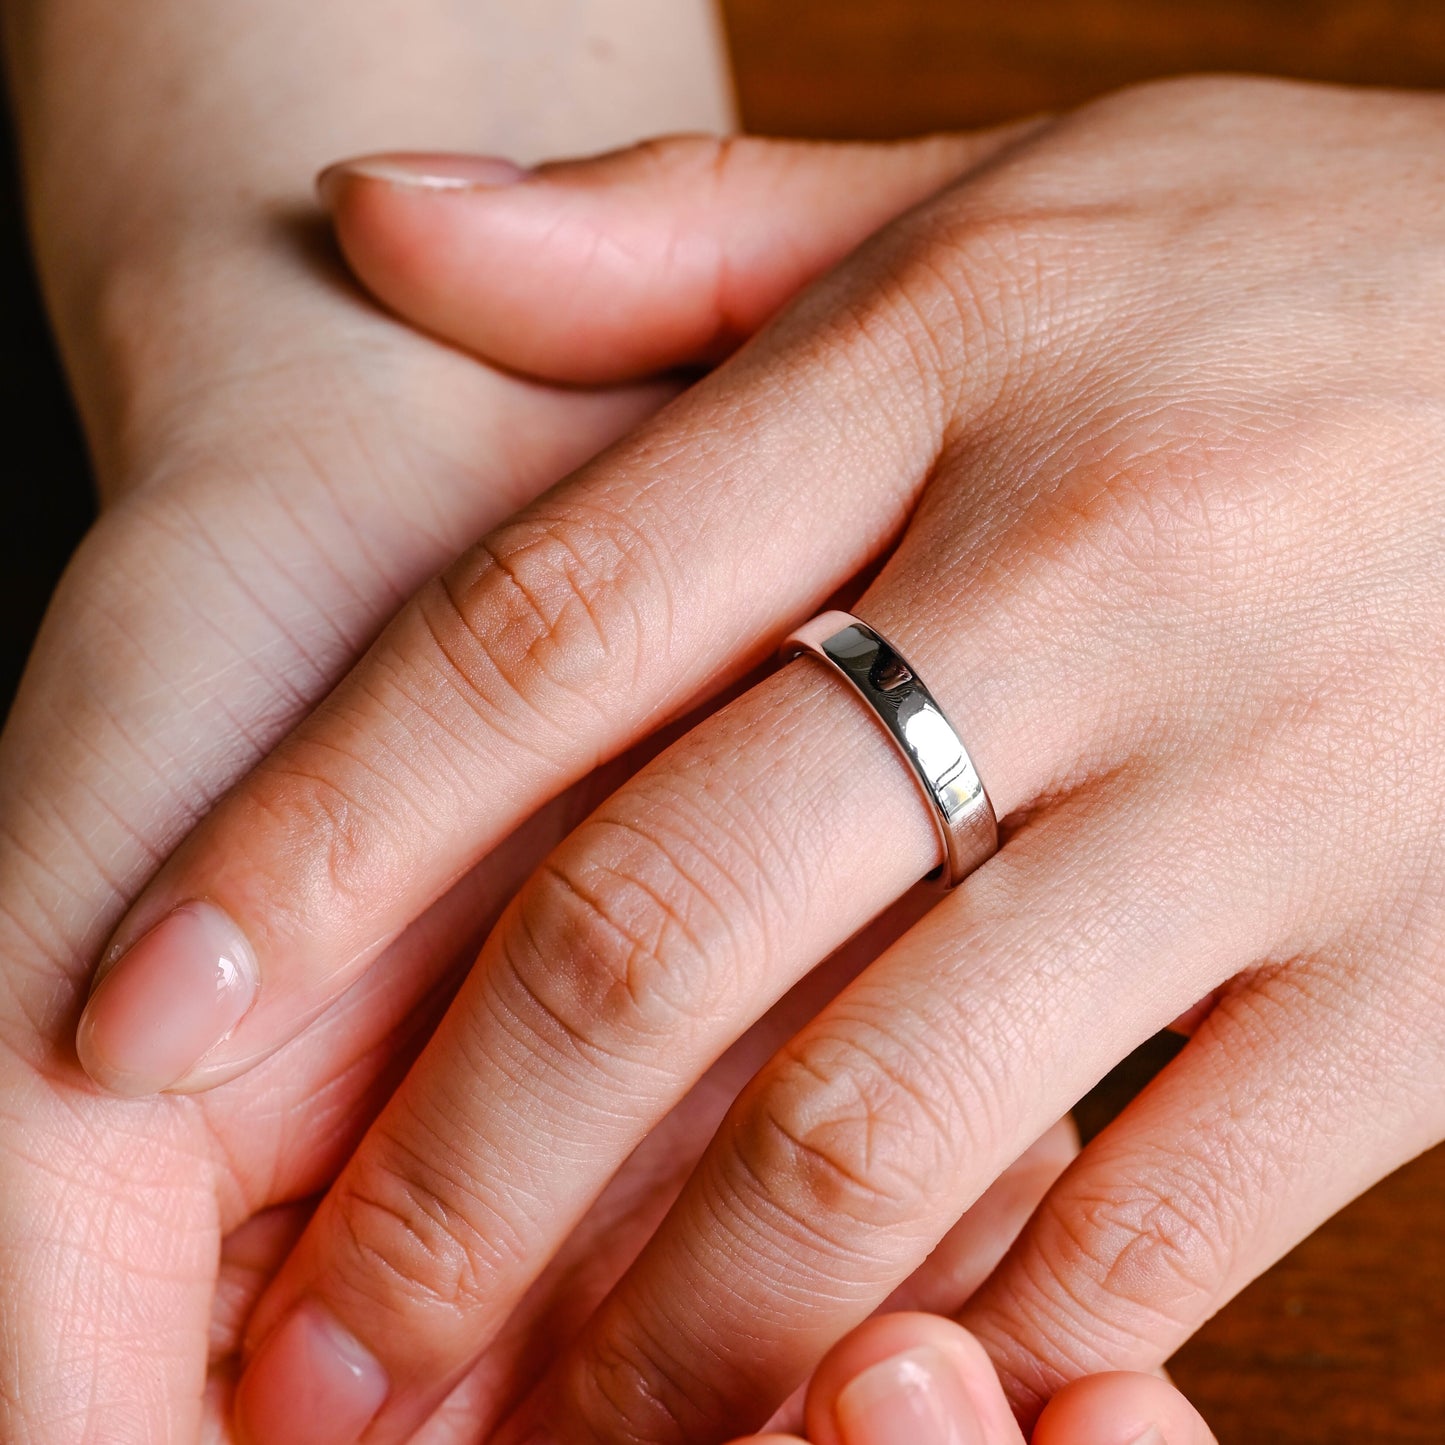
{"x":1128,"y":1254}
{"x":550,"y":610}
{"x":973,"y":293}
{"x":635,"y":1387}
{"x":936,"y":316}
{"x":637,"y":920}
{"x":414,"y":1237}
{"x":312,"y":810}
{"x":844,"y":1137}
{"x":1158,"y":512}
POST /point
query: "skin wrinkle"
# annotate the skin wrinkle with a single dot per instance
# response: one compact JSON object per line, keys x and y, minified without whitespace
{"x":879,"y":1087}
{"x":580,"y":589}
{"x":1188,"y":855}
{"x":640,"y":957}
{"x":108,"y":727}
{"x":363,"y":461}
{"x":653,"y":634}
{"x":562,"y":1035}
{"x":427,"y":1249}
{"x":754,"y":847}
{"x":631,"y":1384}
{"x":635,"y":983}
{"x":111,"y":615}
{"x":351,"y":815}
{"x":123,"y":1395}
{"x":394,"y":749}
{"x":773,"y":1227}
{"x":221,"y":557}
{"x":795,"y":1204}
{"x":583,"y":584}
{"x":428,"y":686}
{"x":462,"y":677}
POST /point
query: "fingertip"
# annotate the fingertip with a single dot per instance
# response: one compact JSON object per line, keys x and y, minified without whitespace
{"x":1121,"y":1408}
{"x":172,"y":996}
{"x":533,"y":271}
{"x":909,"y":1369}
{"x":423,"y":171}
{"x":413,"y":247}
{"x":311,"y":1383}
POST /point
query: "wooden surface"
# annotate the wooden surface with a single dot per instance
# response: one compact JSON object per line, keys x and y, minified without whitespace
{"x":1344,"y":1342}
{"x":896,"y":67}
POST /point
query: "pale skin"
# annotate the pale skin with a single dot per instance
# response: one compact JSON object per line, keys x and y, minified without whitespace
{"x":1145,"y":410}
{"x":47,"y":989}
{"x":279,"y":465}
{"x":910,"y":1379}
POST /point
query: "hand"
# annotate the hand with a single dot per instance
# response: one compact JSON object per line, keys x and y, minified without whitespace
{"x":269,"y":508}
{"x":912,"y":1379}
{"x":283,"y":465}
{"x":1151,"y":407}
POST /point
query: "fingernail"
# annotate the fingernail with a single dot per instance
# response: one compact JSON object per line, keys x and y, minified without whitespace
{"x":168,"y":1001}
{"x":437,"y":172}
{"x":311,"y":1383}
{"x":1152,"y":1436}
{"x":915,"y":1398}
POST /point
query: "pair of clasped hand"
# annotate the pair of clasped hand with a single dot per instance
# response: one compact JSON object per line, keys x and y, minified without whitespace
{"x":490,"y":908}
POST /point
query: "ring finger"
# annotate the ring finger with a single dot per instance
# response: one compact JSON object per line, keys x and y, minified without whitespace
{"x":669,"y":921}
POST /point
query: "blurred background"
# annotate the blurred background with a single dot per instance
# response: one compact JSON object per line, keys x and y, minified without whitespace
{"x":1344,"y":1342}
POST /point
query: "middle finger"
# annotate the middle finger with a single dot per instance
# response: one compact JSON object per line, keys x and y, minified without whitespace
{"x":671,"y":920}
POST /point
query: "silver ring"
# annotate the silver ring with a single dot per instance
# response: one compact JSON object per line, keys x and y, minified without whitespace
{"x":896,"y":695}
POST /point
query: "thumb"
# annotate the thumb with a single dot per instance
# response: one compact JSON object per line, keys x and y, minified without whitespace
{"x":669,"y":253}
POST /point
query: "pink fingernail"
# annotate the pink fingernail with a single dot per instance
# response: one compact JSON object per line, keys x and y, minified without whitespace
{"x":915,"y":1398}
{"x":438,"y":172}
{"x":311,"y":1383}
{"x":169,"y":1000}
{"x":1152,"y":1436}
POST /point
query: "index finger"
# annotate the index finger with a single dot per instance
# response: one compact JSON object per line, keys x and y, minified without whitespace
{"x":669,"y":565}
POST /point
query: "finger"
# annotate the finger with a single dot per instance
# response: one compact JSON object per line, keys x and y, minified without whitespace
{"x":850,"y":1156}
{"x":909,"y":1377}
{"x":1263,"y":1127}
{"x":694,"y":897}
{"x":617,"y":267}
{"x":559,"y":640}
{"x":920,"y":1379}
{"x":659,"y":931}
{"x":971,"y":1250}
{"x":1121,"y":1409}
{"x":250,"y":1256}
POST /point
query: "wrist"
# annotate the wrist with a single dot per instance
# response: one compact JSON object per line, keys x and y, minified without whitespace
{"x":155,"y":329}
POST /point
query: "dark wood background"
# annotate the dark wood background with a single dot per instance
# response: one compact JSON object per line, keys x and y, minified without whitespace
{"x":1343,"y":1343}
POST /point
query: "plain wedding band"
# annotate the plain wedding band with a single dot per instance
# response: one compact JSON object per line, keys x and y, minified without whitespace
{"x":918,"y":728}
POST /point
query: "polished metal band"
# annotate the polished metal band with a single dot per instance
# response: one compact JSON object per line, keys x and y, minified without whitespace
{"x":916,"y":724}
